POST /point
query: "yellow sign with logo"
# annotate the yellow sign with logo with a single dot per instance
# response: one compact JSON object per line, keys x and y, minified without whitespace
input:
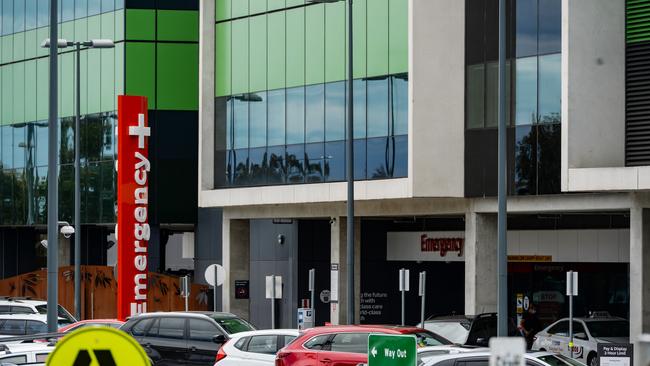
{"x":98,"y":346}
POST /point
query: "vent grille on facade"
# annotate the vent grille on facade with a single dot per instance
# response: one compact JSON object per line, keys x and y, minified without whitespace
{"x":637,"y":135}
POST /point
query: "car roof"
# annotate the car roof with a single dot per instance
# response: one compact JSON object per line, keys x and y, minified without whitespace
{"x":596,"y":319}
{"x":452,"y":356}
{"x":190,"y":314}
{"x":21,"y":300}
{"x":393,"y":329}
{"x":26,"y":347}
{"x":289,"y":332}
{"x":41,"y":317}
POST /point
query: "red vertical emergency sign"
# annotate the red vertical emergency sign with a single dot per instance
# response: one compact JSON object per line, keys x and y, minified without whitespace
{"x":133,"y":169}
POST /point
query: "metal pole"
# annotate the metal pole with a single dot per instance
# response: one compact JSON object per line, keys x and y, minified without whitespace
{"x":423,"y":293}
{"x":273,"y":302}
{"x":215,"y":290}
{"x":403,"y":301}
{"x":350,"y":175}
{"x":502,"y":245}
{"x":571,"y":313}
{"x":186,"y":279}
{"x":52,"y":184}
{"x":77,"y":194}
{"x":312,"y":288}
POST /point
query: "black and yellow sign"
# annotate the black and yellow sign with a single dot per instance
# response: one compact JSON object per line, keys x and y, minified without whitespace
{"x":98,"y":346}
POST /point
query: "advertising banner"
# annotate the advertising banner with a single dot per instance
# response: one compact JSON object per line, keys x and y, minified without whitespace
{"x":132,"y":231}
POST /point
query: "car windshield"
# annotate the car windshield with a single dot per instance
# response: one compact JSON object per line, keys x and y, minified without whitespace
{"x":426,"y":339}
{"x":233,"y":325}
{"x":559,"y":360}
{"x":62,"y":312}
{"x":456,"y":332}
{"x":605,"y":329}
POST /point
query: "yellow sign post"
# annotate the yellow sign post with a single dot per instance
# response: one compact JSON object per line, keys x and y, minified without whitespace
{"x":98,"y":346}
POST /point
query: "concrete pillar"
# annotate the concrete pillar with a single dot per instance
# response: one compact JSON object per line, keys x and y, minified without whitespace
{"x":480,"y":263}
{"x":236,"y":262}
{"x":338,"y":312}
{"x":639,"y":275}
{"x":206,"y":96}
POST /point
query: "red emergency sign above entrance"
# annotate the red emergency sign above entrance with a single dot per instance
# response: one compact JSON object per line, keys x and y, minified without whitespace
{"x":132,"y":231}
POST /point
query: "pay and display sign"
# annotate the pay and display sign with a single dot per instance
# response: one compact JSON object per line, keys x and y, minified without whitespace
{"x":391,"y":350}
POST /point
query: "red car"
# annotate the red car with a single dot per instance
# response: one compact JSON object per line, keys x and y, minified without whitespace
{"x":344,"y":345}
{"x":113,"y":323}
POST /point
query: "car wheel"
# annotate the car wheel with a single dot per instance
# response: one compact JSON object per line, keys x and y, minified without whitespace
{"x":592,"y":360}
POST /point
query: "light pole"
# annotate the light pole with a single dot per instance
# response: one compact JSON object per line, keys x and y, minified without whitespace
{"x":349,"y":162}
{"x":62,"y":43}
{"x":502,"y":218}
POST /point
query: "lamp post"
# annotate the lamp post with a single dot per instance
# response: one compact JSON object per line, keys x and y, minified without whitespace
{"x":502,"y":216}
{"x":349,"y":162}
{"x":62,"y":43}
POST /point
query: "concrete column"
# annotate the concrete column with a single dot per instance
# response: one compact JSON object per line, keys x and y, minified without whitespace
{"x":639,"y":275}
{"x":236,"y":262}
{"x":480,"y":263}
{"x":339,"y":257}
{"x":206,"y":96}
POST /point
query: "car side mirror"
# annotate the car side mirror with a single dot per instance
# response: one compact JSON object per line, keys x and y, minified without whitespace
{"x":581,"y":336}
{"x":219,"y":339}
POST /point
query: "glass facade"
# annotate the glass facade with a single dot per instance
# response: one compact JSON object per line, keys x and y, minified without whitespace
{"x":281,"y":91}
{"x":533,"y":95}
{"x":167,"y":73}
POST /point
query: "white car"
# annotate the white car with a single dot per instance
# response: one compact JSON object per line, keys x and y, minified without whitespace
{"x":426,"y":353}
{"x":24,"y":353}
{"x":587,"y":333}
{"x":256,"y":348}
{"x":22,"y":305}
{"x":483,"y":359}
{"x":17,"y":325}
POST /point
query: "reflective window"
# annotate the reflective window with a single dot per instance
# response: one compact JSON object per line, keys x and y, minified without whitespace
{"x":81,"y":8}
{"x":359,"y":110}
{"x":171,"y":328}
{"x":276,"y":117}
{"x":335,"y":161}
{"x":314,"y":157}
{"x":277,"y":167}
{"x":41,"y":143}
{"x":240,"y":122}
{"x":377,"y":157}
{"x":35,"y":327}
{"x":315,"y":113}
{"x":526,"y":37}
{"x":258,"y":164}
{"x":43,"y":9}
{"x":550,"y":26}
{"x":7,"y":147}
{"x":240,"y":167}
{"x":548,"y":157}
{"x":7,"y":17}
{"x":399,"y":159}
{"x":30,"y":14}
{"x":202,"y":330}
{"x":526,"y":86}
{"x":40,"y":195}
{"x":267,"y":344}
{"x":335,"y":112}
{"x":19,"y":15}
{"x":108,"y":5}
{"x":230,"y":136}
{"x":360,"y":159}
{"x":550,"y":88}
{"x":94,"y":7}
{"x":377,"y":107}
{"x":475,"y":102}
{"x":108,"y":143}
{"x":66,"y":140}
{"x":20,"y":146}
{"x":295,"y":116}
{"x":67,"y":10}
{"x":399,"y":104}
{"x":257,"y":119}
{"x":350,"y":343}
{"x":294,"y":161}
{"x":525,"y":160}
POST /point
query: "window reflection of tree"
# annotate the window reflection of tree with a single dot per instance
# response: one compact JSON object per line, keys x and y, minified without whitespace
{"x":295,"y":170}
{"x":277,"y":168}
{"x":524,"y":163}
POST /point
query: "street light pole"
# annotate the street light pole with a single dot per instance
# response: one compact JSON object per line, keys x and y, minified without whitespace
{"x":502,"y":244}
{"x":77,"y":192}
{"x":52,"y":186}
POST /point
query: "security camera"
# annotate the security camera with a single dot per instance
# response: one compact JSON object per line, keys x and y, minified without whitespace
{"x":67,"y":231}
{"x":332,"y":220}
{"x":44,"y":243}
{"x":280,"y":239}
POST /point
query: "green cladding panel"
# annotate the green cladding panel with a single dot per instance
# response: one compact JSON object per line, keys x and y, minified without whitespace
{"x":223,"y":61}
{"x":19,"y":92}
{"x":177,"y":79}
{"x":276,"y":50}
{"x":223,"y":9}
{"x":67,"y":84}
{"x":315,"y":44}
{"x":398,"y":36}
{"x":6,"y":72}
{"x":240,"y":55}
{"x":257,"y":6}
{"x":141,"y":24}
{"x":108,"y":25}
{"x":295,"y":47}
{"x":335,"y":42}
{"x":42,"y":77}
{"x":94,"y":80}
{"x":30,"y":90}
{"x":178,"y":25}
{"x":258,"y":54}
{"x":81,"y":28}
{"x":19,"y":46}
{"x":140,"y":75}
{"x":276,"y":4}
{"x":239,"y":8}
{"x":31,"y":44}
{"x":638,"y":21}
{"x":377,"y":37}
{"x":359,"y":8}
{"x":94,"y":27}
{"x":108,"y":99}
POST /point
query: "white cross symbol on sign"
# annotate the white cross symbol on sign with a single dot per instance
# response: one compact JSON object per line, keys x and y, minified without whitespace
{"x":140,"y":130}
